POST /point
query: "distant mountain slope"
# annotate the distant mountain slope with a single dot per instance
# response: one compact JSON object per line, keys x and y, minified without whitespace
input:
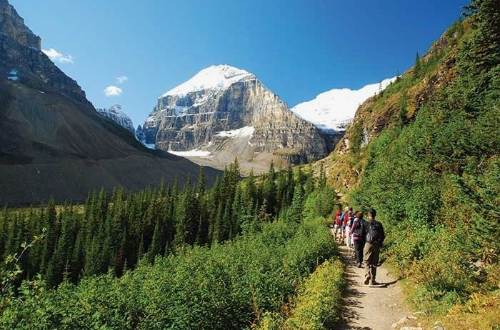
{"x":333,"y":110}
{"x":52,"y":141}
{"x":116,"y":114}
{"x":220,"y":99}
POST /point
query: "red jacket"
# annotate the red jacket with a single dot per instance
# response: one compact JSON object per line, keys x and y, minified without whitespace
{"x":346,"y":218}
{"x":338,"y":221}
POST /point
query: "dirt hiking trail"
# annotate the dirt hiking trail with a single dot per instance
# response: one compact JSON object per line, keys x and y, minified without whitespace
{"x":373,"y":308}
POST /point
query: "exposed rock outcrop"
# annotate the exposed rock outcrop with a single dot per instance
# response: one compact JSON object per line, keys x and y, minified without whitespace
{"x":12,"y":26}
{"x":202,"y":113}
{"x":22,"y":59}
{"x":116,"y":114}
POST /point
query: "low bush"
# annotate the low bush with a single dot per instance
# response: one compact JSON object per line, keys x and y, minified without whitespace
{"x":317,"y":303}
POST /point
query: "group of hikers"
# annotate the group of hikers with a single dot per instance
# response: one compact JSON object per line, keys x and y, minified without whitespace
{"x":364,"y":237}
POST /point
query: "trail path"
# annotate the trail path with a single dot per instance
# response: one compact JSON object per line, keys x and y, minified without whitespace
{"x":372,"y":308}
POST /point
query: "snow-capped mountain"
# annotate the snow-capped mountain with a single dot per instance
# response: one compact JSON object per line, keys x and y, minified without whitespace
{"x":224,"y":112}
{"x":116,"y":114}
{"x":334,"y":109}
{"x":214,"y":78}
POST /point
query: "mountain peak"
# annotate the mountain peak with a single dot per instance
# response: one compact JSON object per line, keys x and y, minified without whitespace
{"x":12,"y":25}
{"x":334,"y":109}
{"x":217,"y":77}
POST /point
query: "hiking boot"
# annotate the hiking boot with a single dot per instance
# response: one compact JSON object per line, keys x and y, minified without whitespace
{"x":367,"y":280}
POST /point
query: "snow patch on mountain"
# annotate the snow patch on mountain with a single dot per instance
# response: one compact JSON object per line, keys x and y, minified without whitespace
{"x":240,"y":132}
{"x":334,"y":110}
{"x":191,"y":153}
{"x":215,"y":77}
{"x":116,"y":114}
{"x":13,"y":75}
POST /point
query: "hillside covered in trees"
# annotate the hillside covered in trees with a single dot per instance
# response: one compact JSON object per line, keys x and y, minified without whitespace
{"x":425,"y":154}
{"x":220,"y":257}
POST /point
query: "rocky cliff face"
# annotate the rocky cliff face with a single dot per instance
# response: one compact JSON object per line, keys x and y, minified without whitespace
{"x":12,"y":26}
{"x":209,"y":112}
{"x":116,"y":114}
{"x":21,"y":58}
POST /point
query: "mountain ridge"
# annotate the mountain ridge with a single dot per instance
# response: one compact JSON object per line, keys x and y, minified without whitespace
{"x":53,"y":143}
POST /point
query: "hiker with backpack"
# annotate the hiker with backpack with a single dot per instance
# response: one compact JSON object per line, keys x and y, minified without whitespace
{"x":340,"y":223}
{"x":350,"y":219}
{"x":336,"y":222}
{"x":358,"y":237}
{"x":344,"y":220}
{"x":374,"y":238}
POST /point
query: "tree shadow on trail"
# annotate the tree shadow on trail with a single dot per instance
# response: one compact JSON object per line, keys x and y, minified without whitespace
{"x":351,"y":305}
{"x":351,"y":296}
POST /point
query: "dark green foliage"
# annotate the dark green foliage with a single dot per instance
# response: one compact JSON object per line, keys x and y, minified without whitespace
{"x":113,"y":232}
{"x":222,"y":286}
{"x":357,"y":137}
{"x":435,"y":181}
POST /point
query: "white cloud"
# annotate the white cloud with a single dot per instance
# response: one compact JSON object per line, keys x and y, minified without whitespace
{"x":112,"y":91}
{"x":121,"y":79}
{"x":57,"y":56}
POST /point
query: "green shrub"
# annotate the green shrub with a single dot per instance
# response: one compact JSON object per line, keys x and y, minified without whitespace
{"x":317,"y":304}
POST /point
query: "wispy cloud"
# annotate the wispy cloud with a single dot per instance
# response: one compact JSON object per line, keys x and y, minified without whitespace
{"x":112,"y":91}
{"x":121,"y":79}
{"x":57,"y":56}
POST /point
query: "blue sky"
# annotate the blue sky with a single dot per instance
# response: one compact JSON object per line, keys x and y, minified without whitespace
{"x":298,"y":48}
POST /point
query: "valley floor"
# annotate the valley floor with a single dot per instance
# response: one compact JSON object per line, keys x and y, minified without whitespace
{"x":370,"y":308}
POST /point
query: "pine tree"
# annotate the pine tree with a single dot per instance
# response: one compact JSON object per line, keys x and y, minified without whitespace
{"x":52,"y":233}
{"x":269,"y":191}
{"x":322,"y":177}
{"x":295,"y":213}
{"x":156,"y":243}
{"x":77,"y":257}
{"x":237,"y":214}
{"x":181,"y":221}
{"x":63,"y":250}
{"x":121,"y":256}
{"x":92,"y":258}
{"x":140,"y":251}
{"x":418,"y":65}
{"x":218,"y":231}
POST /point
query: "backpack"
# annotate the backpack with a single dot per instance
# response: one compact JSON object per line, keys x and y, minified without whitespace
{"x":375,"y":232}
{"x":357,"y":231}
{"x":339,"y":220}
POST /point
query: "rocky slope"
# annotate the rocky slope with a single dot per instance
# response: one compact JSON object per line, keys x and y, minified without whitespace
{"x":227,"y":112}
{"x":52,"y":141}
{"x":116,"y":114}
